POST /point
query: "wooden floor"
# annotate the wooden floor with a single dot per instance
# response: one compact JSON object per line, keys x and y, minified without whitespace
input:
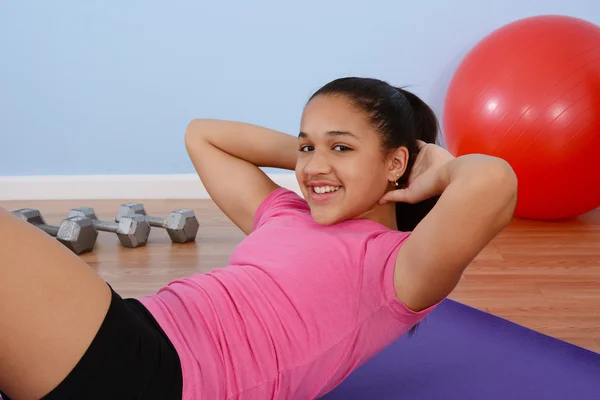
{"x":545,"y":276}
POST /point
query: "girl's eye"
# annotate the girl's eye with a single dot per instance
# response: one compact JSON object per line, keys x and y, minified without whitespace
{"x":342,"y":148}
{"x":339,"y":147}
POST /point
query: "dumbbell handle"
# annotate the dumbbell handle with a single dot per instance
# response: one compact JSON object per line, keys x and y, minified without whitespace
{"x":49,"y":229}
{"x":106,"y":226}
{"x":159,"y":222}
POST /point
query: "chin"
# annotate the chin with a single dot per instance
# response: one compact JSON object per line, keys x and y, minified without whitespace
{"x":325,"y":218}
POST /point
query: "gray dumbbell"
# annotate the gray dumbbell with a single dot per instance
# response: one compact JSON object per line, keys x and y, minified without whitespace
{"x":132,"y":231}
{"x":77,"y":233}
{"x":181,"y":225}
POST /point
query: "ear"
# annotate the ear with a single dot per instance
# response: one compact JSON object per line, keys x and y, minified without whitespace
{"x":398,"y":162}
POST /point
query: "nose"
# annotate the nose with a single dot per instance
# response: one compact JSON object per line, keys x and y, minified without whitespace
{"x":318,"y":164}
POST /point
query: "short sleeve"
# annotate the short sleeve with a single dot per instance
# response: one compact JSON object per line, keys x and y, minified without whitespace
{"x":279,"y":201}
{"x":383,"y":250}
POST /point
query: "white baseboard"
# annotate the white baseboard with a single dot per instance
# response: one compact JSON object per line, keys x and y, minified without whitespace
{"x":90,"y":187}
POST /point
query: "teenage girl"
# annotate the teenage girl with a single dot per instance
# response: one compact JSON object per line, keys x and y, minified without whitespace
{"x":387,"y":223}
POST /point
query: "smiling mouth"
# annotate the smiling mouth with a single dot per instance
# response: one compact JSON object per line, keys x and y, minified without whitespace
{"x":325,"y":189}
{"x":322,"y":194}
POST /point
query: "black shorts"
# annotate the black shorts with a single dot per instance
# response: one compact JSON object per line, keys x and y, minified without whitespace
{"x":130,"y":358}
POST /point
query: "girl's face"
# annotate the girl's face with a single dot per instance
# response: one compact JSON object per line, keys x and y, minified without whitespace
{"x":341,"y":169}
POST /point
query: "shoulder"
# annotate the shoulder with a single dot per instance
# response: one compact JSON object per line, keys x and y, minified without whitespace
{"x":383,"y":244}
{"x":381,"y":253}
{"x":279,"y":202}
{"x":381,"y":250}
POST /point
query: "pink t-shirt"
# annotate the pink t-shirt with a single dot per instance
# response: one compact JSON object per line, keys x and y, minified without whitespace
{"x":297,"y":309}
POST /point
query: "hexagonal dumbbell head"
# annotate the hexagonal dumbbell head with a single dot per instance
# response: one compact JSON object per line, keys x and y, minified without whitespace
{"x":129,"y":209}
{"x":83,"y":212}
{"x":182,"y":226}
{"x":133,"y":230}
{"x":78,"y":233}
{"x":30,"y":215}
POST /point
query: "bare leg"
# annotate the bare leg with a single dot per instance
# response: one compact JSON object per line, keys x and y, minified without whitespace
{"x":51,"y":306}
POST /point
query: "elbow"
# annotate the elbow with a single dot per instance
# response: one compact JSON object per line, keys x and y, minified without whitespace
{"x":509,"y":181}
{"x":506,"y":183}
{"x":194,"y":133}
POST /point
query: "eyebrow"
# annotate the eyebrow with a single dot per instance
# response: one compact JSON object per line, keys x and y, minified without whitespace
{"x":331,"y":134}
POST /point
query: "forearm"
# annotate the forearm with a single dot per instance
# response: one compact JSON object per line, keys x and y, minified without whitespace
{"x":478,"y":200}
{"x":479,"y":180}
{"x":260,"y":146}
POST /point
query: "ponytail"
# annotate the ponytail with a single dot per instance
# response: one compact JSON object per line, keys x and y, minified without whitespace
{"x":426,"y":128}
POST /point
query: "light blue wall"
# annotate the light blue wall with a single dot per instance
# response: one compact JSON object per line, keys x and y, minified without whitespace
{"x":107,"y":87}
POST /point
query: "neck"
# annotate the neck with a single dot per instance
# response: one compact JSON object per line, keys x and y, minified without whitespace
{"x":385,"y":215}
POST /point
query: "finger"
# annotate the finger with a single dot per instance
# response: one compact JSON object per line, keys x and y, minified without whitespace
{"x":399,"y":196}
{"x":421,"y":144}
{"x":384,"y":199}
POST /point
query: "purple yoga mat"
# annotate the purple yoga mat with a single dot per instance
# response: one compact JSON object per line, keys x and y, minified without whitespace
{"x":462,"y":353}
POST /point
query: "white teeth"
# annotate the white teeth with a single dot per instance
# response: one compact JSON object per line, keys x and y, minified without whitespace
{"x":325,"y":189}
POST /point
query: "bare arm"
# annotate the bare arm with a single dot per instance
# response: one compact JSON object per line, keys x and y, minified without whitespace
{"x":478,"y":200}
{"x":227,"y":156}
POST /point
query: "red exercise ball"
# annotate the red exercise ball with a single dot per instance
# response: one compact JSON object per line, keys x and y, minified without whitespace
{"x":530,"y":93}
